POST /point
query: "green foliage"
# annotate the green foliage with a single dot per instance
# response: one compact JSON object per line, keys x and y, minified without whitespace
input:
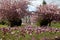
{"x":44,"y":2}
{"x":42,"y":22}
{"x":15,"y":22}
{"x":38,"y":23}
{"x":3,"y":22}
{"x":2,"y":26}
{"x":39,"y":19}
{"x":56,"y":25}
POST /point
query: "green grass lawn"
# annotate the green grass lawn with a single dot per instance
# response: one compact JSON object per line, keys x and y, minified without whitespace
{"x":56,"y":25}
{"x":3,"y":26}
{"x":18,"y":36}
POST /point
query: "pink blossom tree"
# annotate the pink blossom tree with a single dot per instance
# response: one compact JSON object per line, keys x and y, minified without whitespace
{"x":13,"y":10}
{"x":48,"y":13}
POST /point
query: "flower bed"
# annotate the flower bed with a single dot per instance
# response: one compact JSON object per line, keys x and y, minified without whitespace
{"x":29,"y":33}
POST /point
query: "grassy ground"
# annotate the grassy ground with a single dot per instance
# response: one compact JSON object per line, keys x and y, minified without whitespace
{"x":18,"y":36}
{"x":3,"y":26}
{"x":56,"y":25}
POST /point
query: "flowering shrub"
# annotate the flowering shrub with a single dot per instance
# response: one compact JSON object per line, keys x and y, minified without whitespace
{"x":28,"y":33}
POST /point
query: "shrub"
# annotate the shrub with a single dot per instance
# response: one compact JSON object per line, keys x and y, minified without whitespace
{"x":15,"y":23}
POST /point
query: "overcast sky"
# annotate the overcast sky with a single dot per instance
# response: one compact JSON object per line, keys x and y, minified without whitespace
{"x":35,"y":3}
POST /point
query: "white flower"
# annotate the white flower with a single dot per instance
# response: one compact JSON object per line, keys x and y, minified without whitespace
{"x":13,"y":32}
{"x":30,"y":33}
{"x":3,"y":36}
{"x":56,"y":36}
{"x":1,"y":39}
{"x":17,"y":31}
